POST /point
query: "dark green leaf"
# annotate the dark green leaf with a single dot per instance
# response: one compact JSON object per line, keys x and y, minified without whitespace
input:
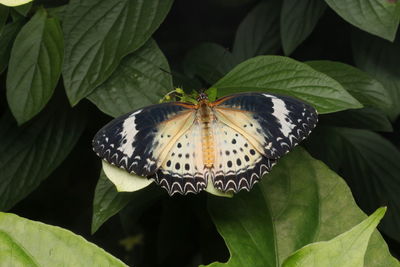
{"x":98,"y":34}
{"x":108,"y":201}
{"x":364,"y":118}
{"x":365,"y":89}
{"x":29,"y":243}
{"x":298,"y":19}
{"x":3,"y":16}
{"x":35,"y":66}
{"x":208,"y":61}
{"x":377,"y":17}
{"x":381,"y":59}
{"x":302,"y":201}
{"x":286,"y":76}
{"x":58,"y":12}
{"x":7,"y":38}
{"x":28,"y":154}
{"x":370,"y":165}
{"x":258,"y":34}
{"x":141,"y":79}
{"x":23,"y":9}
{"x":347,"y":249}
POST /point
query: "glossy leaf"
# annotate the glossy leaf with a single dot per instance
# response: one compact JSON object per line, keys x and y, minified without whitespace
{"x":35,"y":66}
{"x":258,"y":33}
{"x":370,"y":165}
{"x":29,"y":243}
{"x":347,"y":249}
{"x":141,"y":79}
{"x":7,"y":38}
{"x":297,"y":20}
{"x":28,"y":154}
{"x":282,"y":75}
{"x":108,"y":201}
{"x":381,"y":59}
{"x":300,"y":202}
{"x":14,"y":2}
{"x":208,"y":61}
{"x":98,"y":34}
{"x":377,"y":17}
{"x":364,"y":118}
{"x":359,"y":84}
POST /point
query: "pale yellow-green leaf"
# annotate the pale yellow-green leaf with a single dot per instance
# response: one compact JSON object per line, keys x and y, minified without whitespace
{"x":14,"y":2}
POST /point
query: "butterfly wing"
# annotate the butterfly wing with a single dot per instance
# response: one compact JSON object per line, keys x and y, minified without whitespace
{"x":273,"y":124}
{"x":139,"y":142}
{"x":252,"y":130}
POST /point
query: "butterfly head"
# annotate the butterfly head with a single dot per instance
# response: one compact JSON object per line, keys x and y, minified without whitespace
{"x":202,"y":96}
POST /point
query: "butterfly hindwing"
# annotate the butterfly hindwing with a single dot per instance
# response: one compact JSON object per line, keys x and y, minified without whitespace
{"x":139,"y":141}
{"x":275,"y":124}
{"x":183,"y":169}
{"x":238,"y":165}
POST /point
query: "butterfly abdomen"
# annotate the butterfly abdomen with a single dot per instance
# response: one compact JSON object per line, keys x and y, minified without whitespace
{"x":205,"y":116}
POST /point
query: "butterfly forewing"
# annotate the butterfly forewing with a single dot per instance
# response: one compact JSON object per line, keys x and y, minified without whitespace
{"x":140,"y":141}
{"x":276,"y":123}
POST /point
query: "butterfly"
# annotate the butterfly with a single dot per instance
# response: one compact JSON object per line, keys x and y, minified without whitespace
{"x":231,"y":142}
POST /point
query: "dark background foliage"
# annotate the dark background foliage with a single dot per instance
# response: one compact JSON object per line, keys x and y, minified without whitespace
{"x":65,"y":198}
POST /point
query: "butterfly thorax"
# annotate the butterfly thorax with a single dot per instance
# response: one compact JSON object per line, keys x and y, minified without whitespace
{"x":205,"y":117}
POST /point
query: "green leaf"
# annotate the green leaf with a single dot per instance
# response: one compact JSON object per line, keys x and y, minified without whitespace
{"x":98,"y":34}
{"x":364,"y":88}
{"x":347,"y":249}
{"x":300,"y":202}
{"x":123,"y":180}
{"x":3,"y":17}
{"x":28,"y":154}
{"x":35,"y":66}
{"x":14,"y":2}
{"x":208,"y":61}
{"x":364,"y":118}
{"x":370,"y":165}
{"x":381,"y":59}
{"x":140,"y":79}
{"x":282,"y":75}
{"x":23,"y":9}
{"x":108,"y":201}
{"x":377,"y":17}
{"x":298,"y":19}
{"x":29,"y":243}
{"x":7,"y":38}
{"x":258,"y":33}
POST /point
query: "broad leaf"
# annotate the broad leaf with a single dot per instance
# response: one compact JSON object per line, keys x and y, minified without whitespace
{"x":98,"y":34}
{"x":370,"y":165}
{"x":377,"y":17}
{"x":28,"y":154}
{"x":29,"y":243}
{"x":381,"y":59}
{"x":282,"y":75}
{"x":24,"y":9}
{"x":35,"y":66}
{"x":208,"y":61}
{"x":347,"y":249}
{"x":258,"y":33}
{"x":7,"y":38}
{"x":300,"y":202}
{"x":364,"y":118}
{"x":3,"y":17}
{"x":364,"y":88}
{"x":298,"y":19}
{"x":141,"y":79}
{"x":14,"y":2}
{"x":108,"y":201}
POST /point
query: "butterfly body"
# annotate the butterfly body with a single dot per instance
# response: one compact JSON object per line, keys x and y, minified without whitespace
{"x":231,"y":142}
